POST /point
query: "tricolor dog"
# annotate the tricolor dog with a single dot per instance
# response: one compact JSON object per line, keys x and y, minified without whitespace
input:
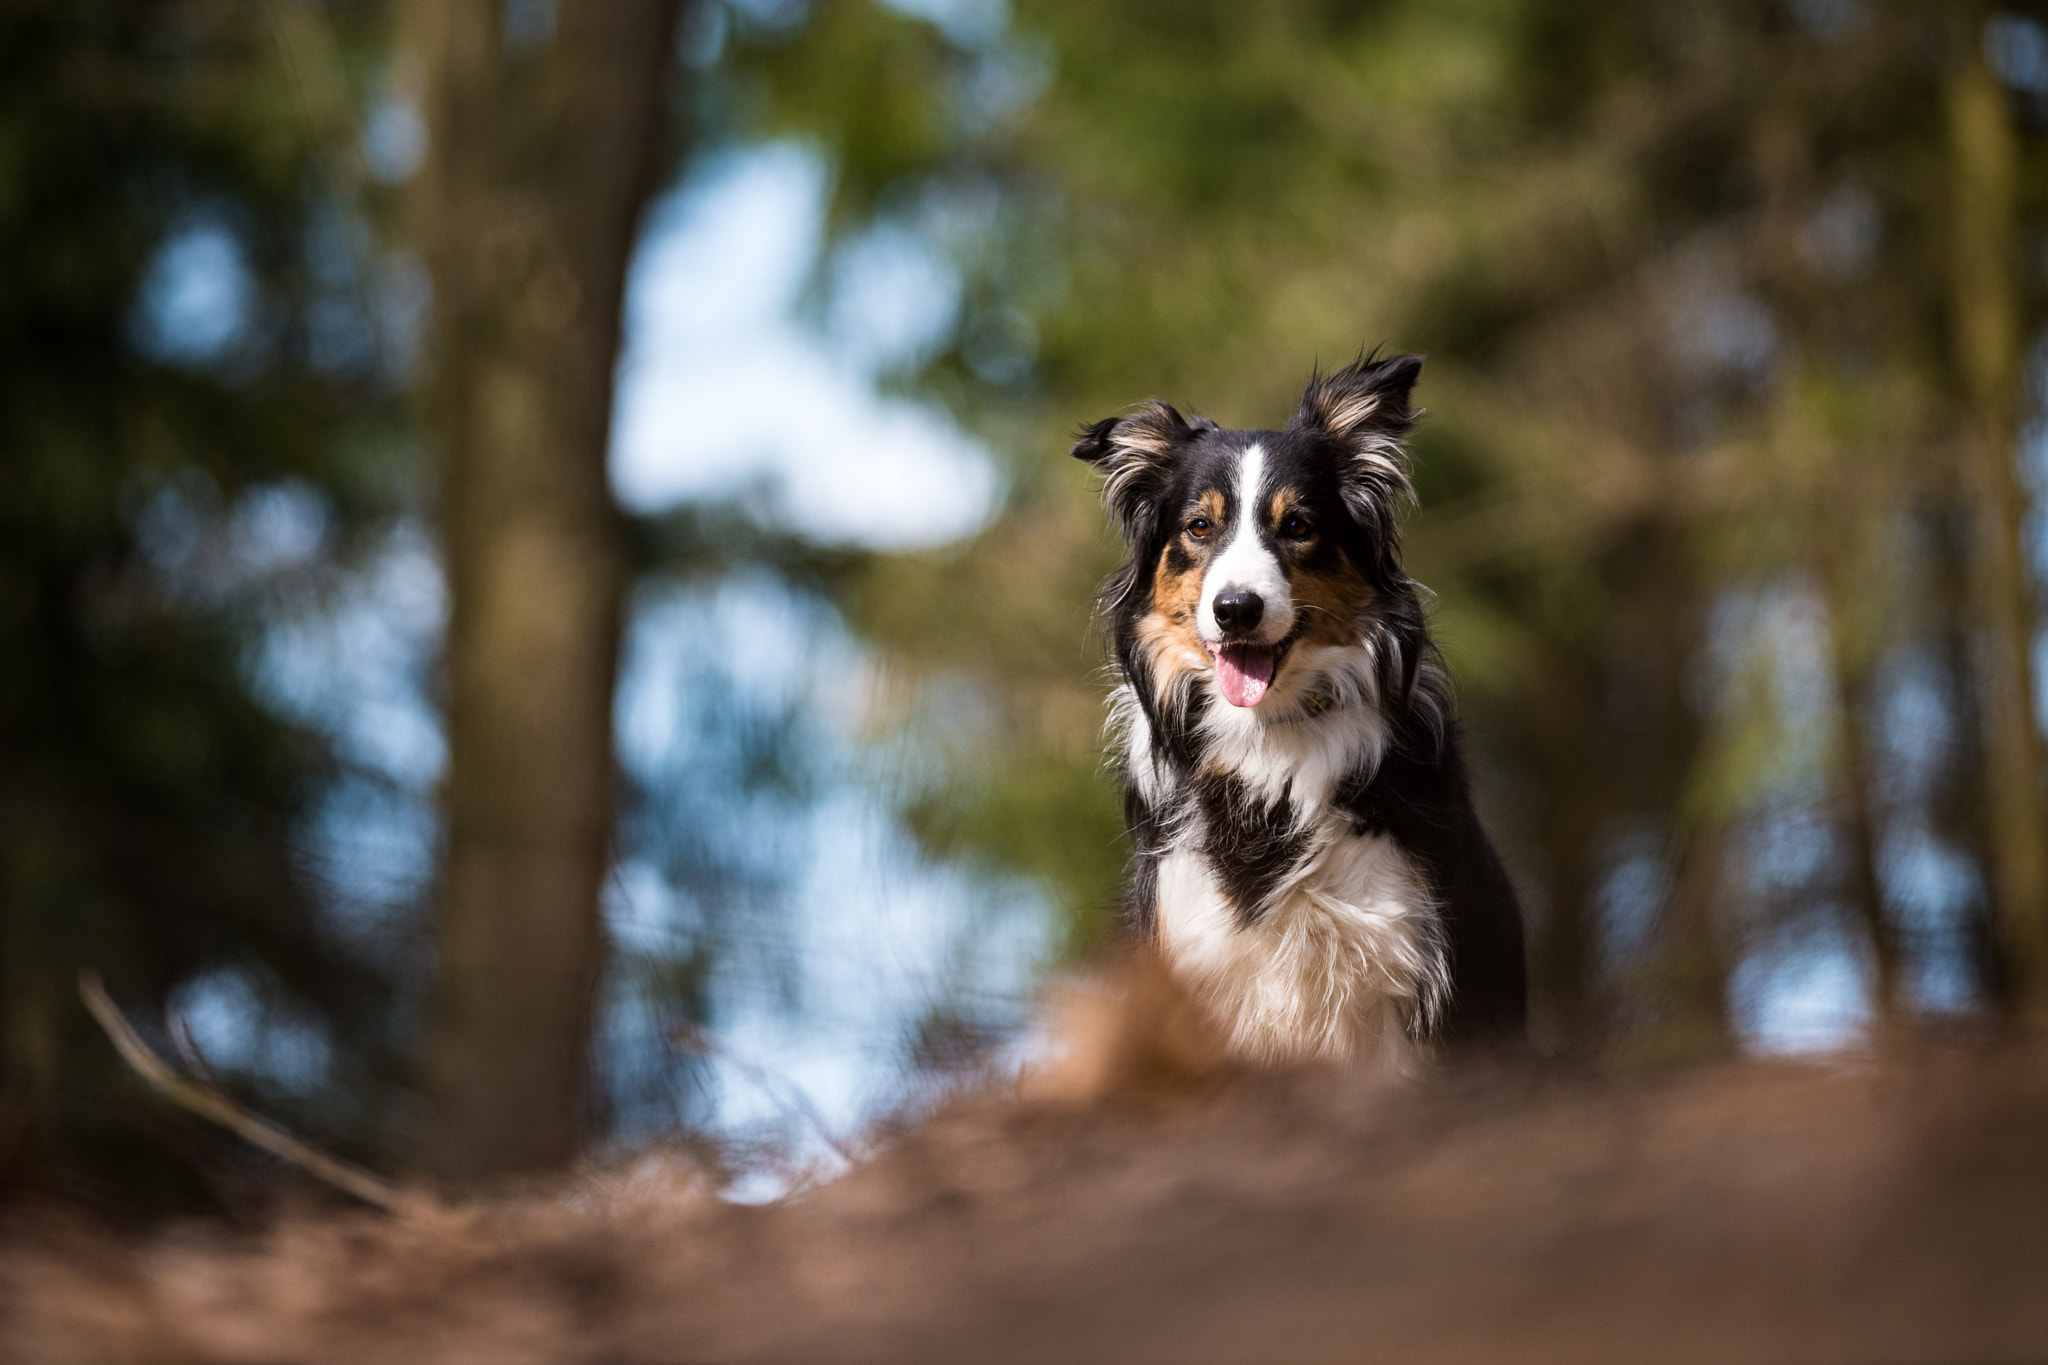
{"x":1305,"y":855}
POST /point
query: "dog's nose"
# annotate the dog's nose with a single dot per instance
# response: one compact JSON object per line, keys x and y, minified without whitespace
{"x":1238,"y":610}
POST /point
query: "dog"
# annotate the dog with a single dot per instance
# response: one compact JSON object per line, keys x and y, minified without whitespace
{"x":1305,"y":856}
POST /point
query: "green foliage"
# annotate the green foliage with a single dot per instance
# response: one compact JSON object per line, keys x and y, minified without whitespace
{"x":1682,"y":272}
{"x":1690,"y":491}
{"x":148,"y":798}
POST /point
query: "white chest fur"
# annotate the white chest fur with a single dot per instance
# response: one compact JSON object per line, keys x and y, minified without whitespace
{"x":1347,"y":951}
{"x":1343,"y":956}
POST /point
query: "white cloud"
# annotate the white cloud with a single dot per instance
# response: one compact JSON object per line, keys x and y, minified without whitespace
{"x":726,"y":387}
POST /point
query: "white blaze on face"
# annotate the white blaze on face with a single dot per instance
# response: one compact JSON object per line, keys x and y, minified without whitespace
{"x":1247,"y":562}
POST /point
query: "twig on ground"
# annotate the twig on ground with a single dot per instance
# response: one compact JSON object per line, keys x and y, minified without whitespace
{"x":209,"y":1103}
{"x":189,"y":1051}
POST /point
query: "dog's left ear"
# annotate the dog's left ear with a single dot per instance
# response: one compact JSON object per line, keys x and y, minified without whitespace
{"x":1362,"y":412}
{"x":1135,"y":455}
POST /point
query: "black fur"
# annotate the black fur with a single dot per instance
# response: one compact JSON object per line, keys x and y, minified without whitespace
{"x":1343,"y":449}
{"x":1418,"y":796}
{"x":1141,"y":880}
{"x":1250,"y":844}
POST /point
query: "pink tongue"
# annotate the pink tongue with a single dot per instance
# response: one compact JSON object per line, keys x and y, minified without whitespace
{"x":1245,"y":671}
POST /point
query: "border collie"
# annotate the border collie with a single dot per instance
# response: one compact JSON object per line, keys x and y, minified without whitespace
{"x":1305,"y":855}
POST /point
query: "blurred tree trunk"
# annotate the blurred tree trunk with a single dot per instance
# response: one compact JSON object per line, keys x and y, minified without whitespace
{"x":1659,"y":743}
{"x":1985,"y":155}
{"x":1564,"y":959}
{"x":1851,"y":650}
{"x":1866,"y":887}
{"x":1956,"y":808}
{"x":542,"y":148}
{"x":1693,"y":961}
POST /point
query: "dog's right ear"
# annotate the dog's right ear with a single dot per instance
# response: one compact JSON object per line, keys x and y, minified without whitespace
{"x":1134,"y":454}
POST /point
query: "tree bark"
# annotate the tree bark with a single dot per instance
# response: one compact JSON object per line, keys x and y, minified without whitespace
{"x":1843,"y":565}
{"x":1690,"y":959}
{"x":542,"y":148}
{"x":1564,"y":957}
{"x":1689,"y":984}
{"x":1985,"y":157}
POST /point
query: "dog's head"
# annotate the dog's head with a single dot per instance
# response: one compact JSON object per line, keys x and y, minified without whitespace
{"x":1257,"y":554}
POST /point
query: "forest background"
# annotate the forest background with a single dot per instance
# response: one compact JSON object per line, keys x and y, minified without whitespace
{"x":543,"y":608}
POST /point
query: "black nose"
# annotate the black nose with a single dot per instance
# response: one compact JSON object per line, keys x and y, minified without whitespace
{"x":1238,"y":610}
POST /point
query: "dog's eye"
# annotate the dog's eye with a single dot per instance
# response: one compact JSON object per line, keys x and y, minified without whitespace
{"x":1294,"y":528}
{"x":1199,"y":528}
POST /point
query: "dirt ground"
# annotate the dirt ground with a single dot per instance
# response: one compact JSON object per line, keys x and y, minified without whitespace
{"x":1889,"y":1209}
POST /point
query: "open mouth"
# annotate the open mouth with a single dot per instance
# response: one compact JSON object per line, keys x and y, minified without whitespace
{"x":1245,"y":671}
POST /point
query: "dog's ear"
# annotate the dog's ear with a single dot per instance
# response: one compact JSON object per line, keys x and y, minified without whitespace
{"x":1135,"y":454}
{"x":1361,"y":412}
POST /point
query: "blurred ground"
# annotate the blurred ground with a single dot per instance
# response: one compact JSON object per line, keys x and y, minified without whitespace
{"x":1873,"y":1210}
